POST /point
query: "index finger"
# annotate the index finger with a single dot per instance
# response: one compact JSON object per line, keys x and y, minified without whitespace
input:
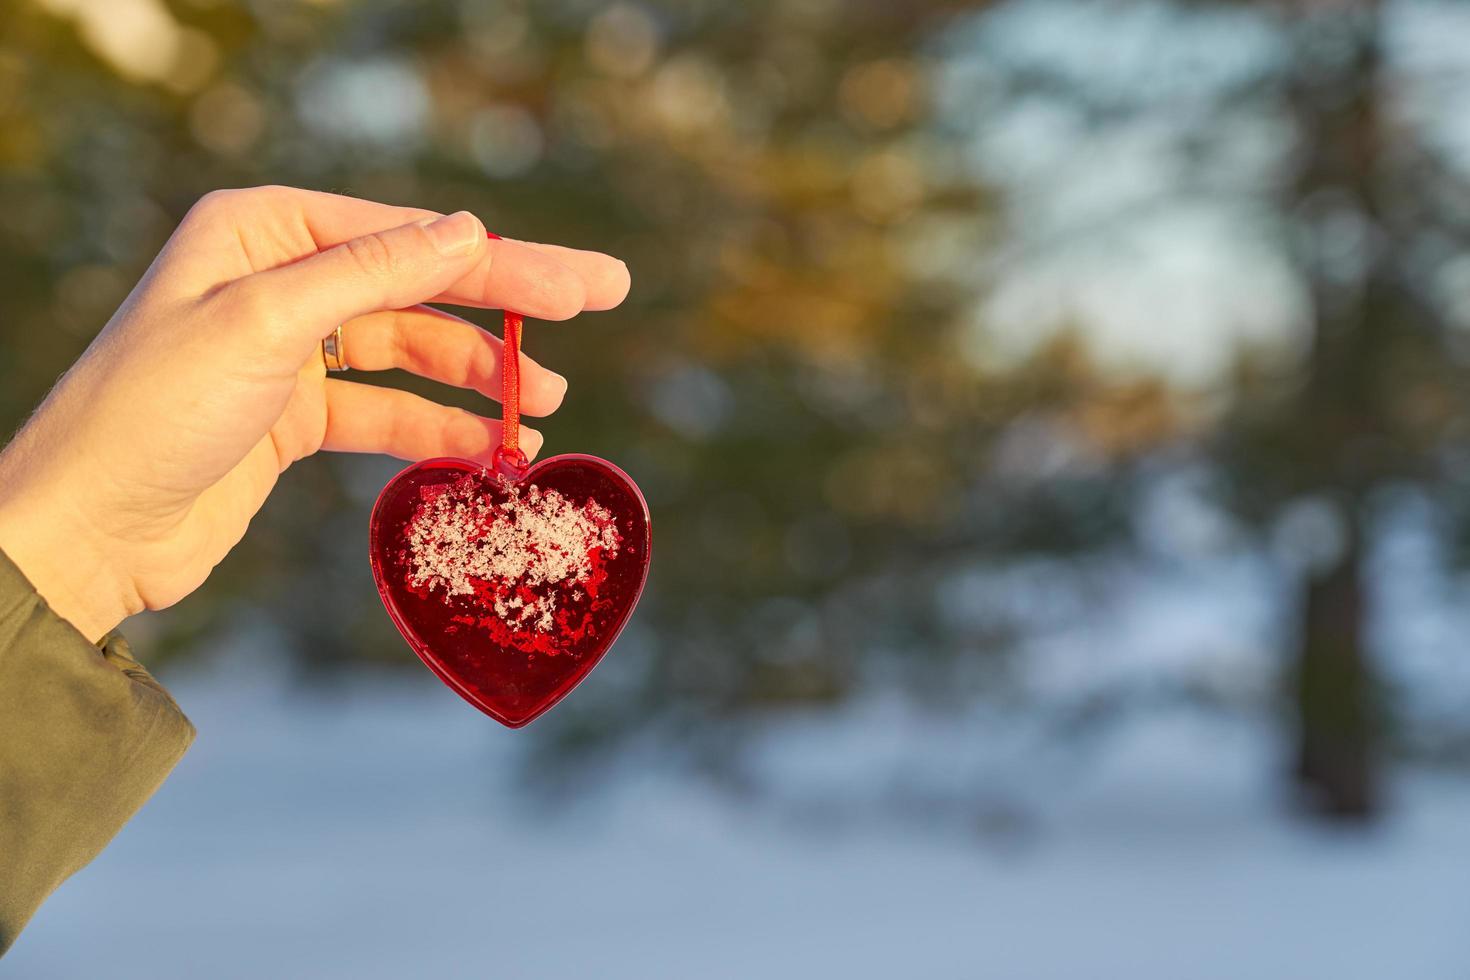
{"x":545,"y":282}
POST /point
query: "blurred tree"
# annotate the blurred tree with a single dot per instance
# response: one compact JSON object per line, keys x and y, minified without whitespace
{"x":1328,"y":131}
{"x":1349,"y":425}
{"x":788,"y":380}
{"x":828,"y":443}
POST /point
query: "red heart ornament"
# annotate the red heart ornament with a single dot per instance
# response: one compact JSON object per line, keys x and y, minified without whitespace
{"x":510,"y":584}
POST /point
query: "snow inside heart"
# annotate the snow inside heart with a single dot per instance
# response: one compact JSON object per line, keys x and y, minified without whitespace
{"x":525,"y":556}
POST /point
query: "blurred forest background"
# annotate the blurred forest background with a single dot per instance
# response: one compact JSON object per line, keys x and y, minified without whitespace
{"x":955,"y":329}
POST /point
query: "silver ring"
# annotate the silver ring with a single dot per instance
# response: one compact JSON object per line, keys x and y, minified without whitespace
{"x":334,"y":351}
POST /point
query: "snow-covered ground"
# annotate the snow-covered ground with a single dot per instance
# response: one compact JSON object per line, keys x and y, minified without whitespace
{"x":379,"y":832}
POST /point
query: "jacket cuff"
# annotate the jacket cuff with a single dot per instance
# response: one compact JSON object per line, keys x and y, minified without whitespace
{"x":86,"y":737}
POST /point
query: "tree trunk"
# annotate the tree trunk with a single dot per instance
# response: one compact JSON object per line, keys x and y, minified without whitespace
{"x":1333,"y":690}
{"x":1342,"y":420}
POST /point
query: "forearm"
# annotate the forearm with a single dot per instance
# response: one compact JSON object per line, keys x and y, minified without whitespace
{"x":86,"y":737}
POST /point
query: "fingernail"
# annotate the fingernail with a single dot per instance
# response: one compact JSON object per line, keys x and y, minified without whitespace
{"x":562,"y":382}
{"x":456,"y":234}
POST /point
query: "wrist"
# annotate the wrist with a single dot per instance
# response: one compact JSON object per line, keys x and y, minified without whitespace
{"x":64,"y":566}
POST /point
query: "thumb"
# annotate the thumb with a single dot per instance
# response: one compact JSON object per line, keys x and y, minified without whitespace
{"x":384,"y":270}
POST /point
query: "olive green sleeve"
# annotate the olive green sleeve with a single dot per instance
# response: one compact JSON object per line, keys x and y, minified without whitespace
{"x":86,"y":736}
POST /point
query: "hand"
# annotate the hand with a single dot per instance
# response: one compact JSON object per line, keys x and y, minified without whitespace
{"x":143,"y":467}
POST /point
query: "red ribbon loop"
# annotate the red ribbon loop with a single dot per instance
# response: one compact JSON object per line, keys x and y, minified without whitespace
{"x":509,"y":451}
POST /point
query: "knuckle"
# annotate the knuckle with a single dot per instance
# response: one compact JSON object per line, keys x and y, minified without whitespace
{"x":401,"y":337}
{"x":567,"y":296}
{"x":246,"y":306}
{"x":246,"y":301}
{"x":461,"y":431}
{"x":232,"y":200}
{"x":213,"y":205}
{"x":570,"y":300}
{"x":372,"y":254}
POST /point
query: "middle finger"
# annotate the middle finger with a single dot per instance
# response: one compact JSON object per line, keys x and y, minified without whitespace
{"x":444,"y":348}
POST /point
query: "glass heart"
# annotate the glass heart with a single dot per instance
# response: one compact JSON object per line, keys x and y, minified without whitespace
{"x":511,"y":584}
